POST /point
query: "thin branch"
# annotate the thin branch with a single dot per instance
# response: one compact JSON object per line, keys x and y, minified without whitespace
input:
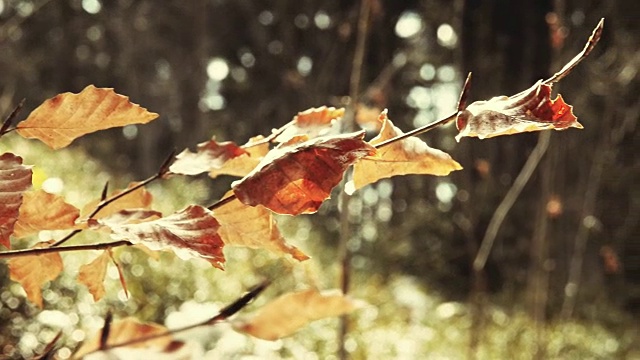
{"x":9,"y":120}
{"x":222,"y":202}
{"x":591,"y":43}
{"x":509,"y":199}
{"x":418,"y":131}
{"x":223,"y":315}
{"x":345,"y":231}
{"x":49,"y":250}
{"x":164,"y":169}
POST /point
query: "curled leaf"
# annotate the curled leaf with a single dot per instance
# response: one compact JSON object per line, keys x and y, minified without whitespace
{"x":253,"y":227}
{"x":290,"y":312}
{"x":34,"y":217}
{"x":209,"y":156}
{"x":191,"y":231}
{"x":530,"y":110}
{"x":298,"y":179}
{"x":407,"y":156}
{"x":35,"y":270}
{"x":313,"y":122}
{"x":15,"y":179}
{"x":65,"y":117}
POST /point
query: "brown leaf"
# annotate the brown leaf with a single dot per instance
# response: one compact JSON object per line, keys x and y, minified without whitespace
{"x":65,"y":117}
{"x":296,"y":180}
{"x":34,"y":217}
{"x":244,"y":163}
{"x":210,"y":155}
{"x":290,"y":312}
{"x":313,"y":122}
{"x":253,"y":227}
{"x":137,"y":199}
{"x":15,"y":179}
{"x":123,"y":282}
{"x":92,"y":275}
{"x":408,"y":156}
{"x":191,"y":231}
{"x":129,"y":329}
{"x":35,"y":270}
{"x":530,"y":110}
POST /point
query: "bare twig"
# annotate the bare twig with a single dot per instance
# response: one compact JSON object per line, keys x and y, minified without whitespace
{"x":106,"y":329}
{"x":49,"y":250}
{"x":223,"y":315}
{"x":509,"y":199}
{"x":222,"y":202}
{"x":591,"y":43}
{"x":9,"y":120}
{"x":345,"y":231}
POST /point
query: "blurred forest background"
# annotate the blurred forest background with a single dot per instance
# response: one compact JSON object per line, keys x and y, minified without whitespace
{"x":568,"y":252}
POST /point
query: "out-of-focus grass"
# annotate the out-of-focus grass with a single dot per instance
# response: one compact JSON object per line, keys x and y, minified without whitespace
{"x":404,"y":320}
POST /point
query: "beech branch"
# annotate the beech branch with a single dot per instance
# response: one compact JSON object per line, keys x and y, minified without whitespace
{"x":9,"y":120}
{"x":223,"y":315}
{"x":49,"y":250}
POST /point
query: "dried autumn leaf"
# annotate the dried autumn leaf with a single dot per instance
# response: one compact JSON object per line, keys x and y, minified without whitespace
{"x":296,"y":180}
{"x":210,"y":155}
{"x":15,"y":179}
{"x":122,"y":217}
{"x":243,"y":164}
{"x":191,"y":231}
{"x":253,"y":227}
{"x":56,"y":215}
{"x":530,"y":110}
{"x":126,"y":330}
{"x":35,"y":270}
{"x":92,"y":275}
{"x":137,"y":199}
{"x":290,"y":312}
{"x":65,"y":117}
{"x":313,"y":122}
{"x":408,"y":156}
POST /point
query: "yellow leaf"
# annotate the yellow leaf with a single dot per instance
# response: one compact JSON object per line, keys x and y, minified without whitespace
{"x":43,"y":211}
{"x":65,"y":117}
{"x":290,"y":312}
{"x":33,"y":271}
{"x":408,"y":156}
{"x":253,"y":227}
{"x":92,"y":275}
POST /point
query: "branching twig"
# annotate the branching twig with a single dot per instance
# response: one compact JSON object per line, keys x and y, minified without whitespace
{"x":509,"y":199}
{"x":164,"y":169}
{"x":223,"y":315}
{"x":49,"y":250}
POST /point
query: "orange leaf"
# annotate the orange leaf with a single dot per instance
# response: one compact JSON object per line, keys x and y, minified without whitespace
{"x":65,"y":117}
{"x":408,"y":156}
{"x":191,"y":231}
{"x":137,"y":199}
{"x":253,"y":227}
{"x":129,"y":329}
{"x":530,"y":110}
{"x":33,"y":271}
{"x":15,"y":179}
{"x":297,"y":179}
{"x":290,"y":312}
{"x":210,"y":155}
{"x":313,"y":122}
{"x":92,"y":275}
{"x":56,"y":215}
{"x":244,"y":163}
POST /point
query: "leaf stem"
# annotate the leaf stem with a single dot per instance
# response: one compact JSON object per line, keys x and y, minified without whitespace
{"x":49,"y":250}
{"x":222,"y":202}
{"x":9,"y":120}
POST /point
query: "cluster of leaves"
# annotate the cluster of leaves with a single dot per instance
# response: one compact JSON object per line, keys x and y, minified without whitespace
{"x":291,"y":171}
